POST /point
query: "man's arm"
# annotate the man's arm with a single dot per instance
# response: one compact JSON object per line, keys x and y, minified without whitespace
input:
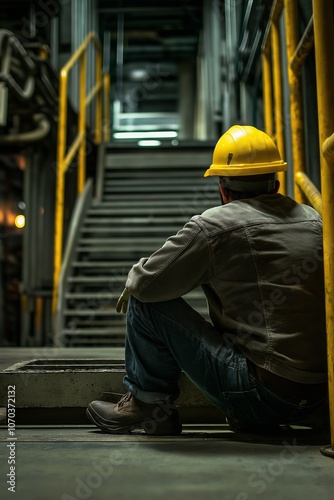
{"x":179,"y":266}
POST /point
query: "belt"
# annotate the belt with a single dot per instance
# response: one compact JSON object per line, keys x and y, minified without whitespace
{"x":288,"y":389}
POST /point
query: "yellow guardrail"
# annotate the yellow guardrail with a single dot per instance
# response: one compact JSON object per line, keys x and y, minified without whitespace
{"x":66,"y":153}
{"x":272,"y":84}
{"x":320,"y":34}
{"x":324,"y":61}
{"x":309,"y":190}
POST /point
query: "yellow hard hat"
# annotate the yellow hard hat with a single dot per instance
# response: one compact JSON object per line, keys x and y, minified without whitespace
{"x":245,"y":150}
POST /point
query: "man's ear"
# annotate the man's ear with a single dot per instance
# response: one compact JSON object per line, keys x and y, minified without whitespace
{"x":276,"y":188}
{"x":225,"y":197}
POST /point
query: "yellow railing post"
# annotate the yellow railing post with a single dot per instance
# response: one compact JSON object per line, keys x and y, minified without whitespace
{"x":82,"y":122}
{"x":267,"y":90}
{"x":296,"y":107}
{"x":106,"y":104}
{"x":98,"y":108}
{"x":277,"y":78}
{"x":60,"y":185}
{"x":64,"y":158}
{"x":324,"y":60}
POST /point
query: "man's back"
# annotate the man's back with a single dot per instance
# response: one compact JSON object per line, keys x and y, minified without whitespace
{"x":267,"y":288}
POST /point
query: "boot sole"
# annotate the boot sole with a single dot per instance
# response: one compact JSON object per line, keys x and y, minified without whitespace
{"x":113,"y":428}
{"x":107,"y":428}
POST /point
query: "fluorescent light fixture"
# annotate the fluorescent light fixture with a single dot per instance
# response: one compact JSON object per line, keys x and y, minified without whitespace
{"x":168,"y":134}
{"x":148,"y":142}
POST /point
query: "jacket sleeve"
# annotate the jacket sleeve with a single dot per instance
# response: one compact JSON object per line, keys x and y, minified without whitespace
{"x":179,"y":266}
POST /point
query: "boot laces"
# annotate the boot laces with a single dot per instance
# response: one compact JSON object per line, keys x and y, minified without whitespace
{"x":125,"y":399}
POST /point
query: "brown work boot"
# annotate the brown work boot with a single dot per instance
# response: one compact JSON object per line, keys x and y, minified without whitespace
{"x":130,"y":413}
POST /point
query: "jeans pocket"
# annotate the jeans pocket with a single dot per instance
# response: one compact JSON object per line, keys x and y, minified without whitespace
{"x":243,"y":406}
{"x":284,"y":410}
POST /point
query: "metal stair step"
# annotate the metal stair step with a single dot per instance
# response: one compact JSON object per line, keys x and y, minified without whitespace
{"x":97,"y":279}
{"x":94,"y":331}
{"x":82,"y":323}
{"x":89,"y":312}
{"x":117,"y":251}
{"x":103,"y":264}
{"x":158,"y":197}
{"x":94,"y":296}
{"x":129,"y":229}
{"x":119,"y":221}
{"x":139,"y":184}
{"x":185,"y":211}
{"x":136,"y":175}
{"x":166,"y":189}
{"x":131,"y":242}
{"x":165,"y":202}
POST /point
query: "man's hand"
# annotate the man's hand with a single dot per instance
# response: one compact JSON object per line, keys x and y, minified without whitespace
{"x":122,"y":303}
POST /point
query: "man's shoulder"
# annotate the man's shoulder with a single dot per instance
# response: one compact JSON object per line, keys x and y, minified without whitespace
{"x":264,"y":209}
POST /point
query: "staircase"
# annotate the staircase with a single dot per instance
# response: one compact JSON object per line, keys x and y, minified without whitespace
{"x":147,"y":195}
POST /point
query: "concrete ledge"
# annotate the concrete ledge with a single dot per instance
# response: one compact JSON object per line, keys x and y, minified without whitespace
{"x":59,"y":390}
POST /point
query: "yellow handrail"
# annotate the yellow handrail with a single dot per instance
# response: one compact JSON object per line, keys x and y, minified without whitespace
{"x":324,"y":63}
{"x":309,"y":190}
{"x":295,"y":85}
{"x":64,"y":158}
{"x":297,"y":51}
{"x":273,"y":83}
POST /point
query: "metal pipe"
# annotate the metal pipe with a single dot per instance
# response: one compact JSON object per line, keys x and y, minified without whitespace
{"x":324,"y":62}
{"x":296,"y":105}
{"x":60,"y":185}
{"x":276,"y":11}
{"x":73,"y":150}
{"x":106,"y":107}
{"x":120,"y":58}
{"x":278,"y":98}
{"x":267,"y":93}
{"x":92,"y":93}
{"x":91,"y":37}
{"x":328,"y":148}
{"x":303,"y":49}
{"x":82,"y":122}
{"x":41,"y":131}
{"x":310,"y":191}
{"x":98,"y":107}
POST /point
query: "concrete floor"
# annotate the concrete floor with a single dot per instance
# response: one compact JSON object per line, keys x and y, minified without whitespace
{"x":205,"y":462}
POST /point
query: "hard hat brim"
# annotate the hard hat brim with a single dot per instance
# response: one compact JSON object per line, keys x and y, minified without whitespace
{"x":253,"y":169}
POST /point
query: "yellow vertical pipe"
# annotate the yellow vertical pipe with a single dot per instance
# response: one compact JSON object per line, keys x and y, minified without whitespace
{"x":267,"y":93}
{"x":98,"y":107}
{"x":324,"y":57}
{"x":106,"y":107}
{"x":60,"y":184}
{"x":296,"y":105}
{"x":82,"y":123}
{"x":277,"y":74}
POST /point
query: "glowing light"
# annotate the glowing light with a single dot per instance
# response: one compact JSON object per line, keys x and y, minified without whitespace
{"x":20,"y":221}
{"x":145,"y":135}
{"x":148,"y":142}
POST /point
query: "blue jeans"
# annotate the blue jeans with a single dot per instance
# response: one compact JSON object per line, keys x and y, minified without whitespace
{"x":165,"y":338}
